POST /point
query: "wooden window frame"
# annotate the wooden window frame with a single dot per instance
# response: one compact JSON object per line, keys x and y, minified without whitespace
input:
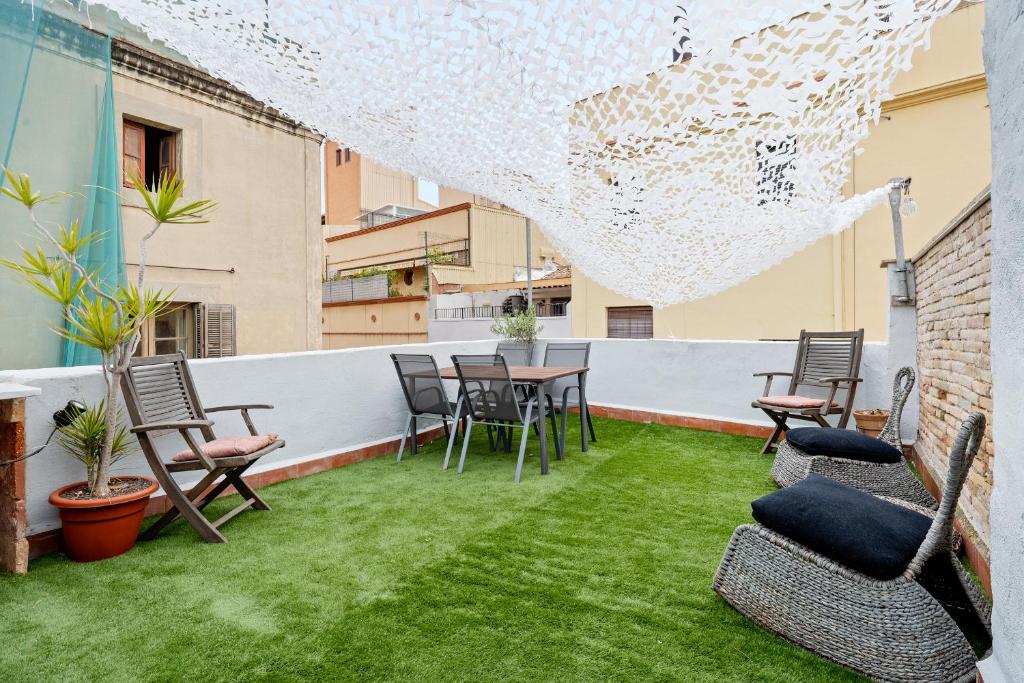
{"x":147,"y":343}
{"x":140,"y":151}
{"x":167,"y":150}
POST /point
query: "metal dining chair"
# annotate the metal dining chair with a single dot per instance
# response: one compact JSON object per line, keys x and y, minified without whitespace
{"x":570,"y":355}
{"x":488,"y":396}
{"x":425,"y":395}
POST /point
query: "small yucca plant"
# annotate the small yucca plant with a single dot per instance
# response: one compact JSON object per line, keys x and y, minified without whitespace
{"x":85,"y":436}
{"x":101,"y":315}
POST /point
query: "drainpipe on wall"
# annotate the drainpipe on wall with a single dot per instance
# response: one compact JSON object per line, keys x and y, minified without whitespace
{"x":904,"y":294}
{"x":529,"y":267}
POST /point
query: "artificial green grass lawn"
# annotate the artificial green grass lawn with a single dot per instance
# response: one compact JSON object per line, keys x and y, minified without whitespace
{"x":599,"y":571}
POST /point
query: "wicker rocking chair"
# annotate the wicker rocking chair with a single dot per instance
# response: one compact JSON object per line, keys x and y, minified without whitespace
{"x":927,"y":622}
{"x":806,"y":451}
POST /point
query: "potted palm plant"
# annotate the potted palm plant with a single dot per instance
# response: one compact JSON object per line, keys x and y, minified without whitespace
{"x":102,"y":515}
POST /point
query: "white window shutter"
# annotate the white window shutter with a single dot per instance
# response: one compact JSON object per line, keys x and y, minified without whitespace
{"x":218,"y":330}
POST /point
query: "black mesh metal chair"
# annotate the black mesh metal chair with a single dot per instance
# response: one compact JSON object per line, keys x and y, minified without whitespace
{"x":425,"y":394}
{"x":571,"y":390}
{"x":488,"y":396}
{"x":515,"y":354}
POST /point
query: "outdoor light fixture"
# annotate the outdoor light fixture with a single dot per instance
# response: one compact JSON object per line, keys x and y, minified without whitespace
{"x":908,"y":207}
{"x":62,"y":418}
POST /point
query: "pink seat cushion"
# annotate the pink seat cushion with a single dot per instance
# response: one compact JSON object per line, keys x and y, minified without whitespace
{"x":230,"y":447}
{"x":794,"y":402}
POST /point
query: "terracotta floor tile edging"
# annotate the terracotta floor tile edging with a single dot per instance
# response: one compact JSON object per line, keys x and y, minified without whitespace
{"x":669,"y":419}
{"x":46,"y":542}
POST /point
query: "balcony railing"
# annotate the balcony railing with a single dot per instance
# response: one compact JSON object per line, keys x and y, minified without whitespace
{"x":544,"y":310}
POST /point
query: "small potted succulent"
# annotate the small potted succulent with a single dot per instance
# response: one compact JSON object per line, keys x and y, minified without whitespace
{"x":102,"y":515}
{"x":871,"y":421}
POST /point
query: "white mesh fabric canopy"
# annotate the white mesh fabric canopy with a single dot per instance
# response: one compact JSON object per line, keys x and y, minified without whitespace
{"x":668,"y":149}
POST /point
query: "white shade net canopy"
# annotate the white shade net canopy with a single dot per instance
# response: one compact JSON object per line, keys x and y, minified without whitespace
{"x":669,"y":150}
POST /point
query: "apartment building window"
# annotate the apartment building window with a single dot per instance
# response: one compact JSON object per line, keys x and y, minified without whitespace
{"x":630,"y":322}
{"x":348,"y":154}
{"x":170,"y":332}
{"x":198,"y":330}
{"x":148,"y":152}
{"x":337,"y":157}
{"x":342,"y":154}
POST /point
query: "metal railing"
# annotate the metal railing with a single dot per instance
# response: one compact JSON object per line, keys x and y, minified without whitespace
{"x":544,"y":310}
{"x":355,"y":289}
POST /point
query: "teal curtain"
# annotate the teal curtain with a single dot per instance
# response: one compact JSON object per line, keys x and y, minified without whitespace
{"x":59,"y":126}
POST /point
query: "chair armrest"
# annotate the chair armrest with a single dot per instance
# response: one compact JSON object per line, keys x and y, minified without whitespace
{"x":839,"y":380}
{"x":769,"y":376}
{"x":165,"y":426}
{"x":244,"y":406}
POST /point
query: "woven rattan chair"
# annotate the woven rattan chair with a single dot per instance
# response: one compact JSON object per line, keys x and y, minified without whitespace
{"x":572,"y":390}
{"x":161,"y":398}
{"x":826,"y":362}
{"x":488,"y":396}
{"x":425,"y":395}
{"x":890,"y":479}
{"x":929,"y":623}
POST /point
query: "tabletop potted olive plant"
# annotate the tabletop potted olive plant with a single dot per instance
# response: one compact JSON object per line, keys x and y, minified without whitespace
{"x":102,"y":515}
{"x":519,"y":329}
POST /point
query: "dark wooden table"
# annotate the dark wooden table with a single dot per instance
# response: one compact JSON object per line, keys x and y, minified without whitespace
{"x":538,"y":377}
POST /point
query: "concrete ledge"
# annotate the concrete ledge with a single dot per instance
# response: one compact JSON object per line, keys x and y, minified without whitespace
{"x":689,"y":421}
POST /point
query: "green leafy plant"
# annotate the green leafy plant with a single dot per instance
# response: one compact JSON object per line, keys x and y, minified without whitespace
{"x":100,"y":315}
{"x":85,"y":437}
{"x":438,"y":257}
{"x":519,"y":326}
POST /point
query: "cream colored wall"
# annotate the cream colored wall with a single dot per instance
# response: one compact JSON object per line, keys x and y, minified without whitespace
{"x":935,"y":131}
{"x":375,"y":323}
{"x":381,"y":185}
{"x":265,"y":180}
{"x":393,"y":243}
{"x":497,"y":245}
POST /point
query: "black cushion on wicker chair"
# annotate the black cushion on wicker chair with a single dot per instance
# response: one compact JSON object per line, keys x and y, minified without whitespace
{"x":843,"y":443}
{"x":850,"y":527}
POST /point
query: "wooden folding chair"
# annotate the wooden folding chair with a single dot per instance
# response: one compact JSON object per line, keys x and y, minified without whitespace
{"x":161,"y":398}
{"x":825,"y":361}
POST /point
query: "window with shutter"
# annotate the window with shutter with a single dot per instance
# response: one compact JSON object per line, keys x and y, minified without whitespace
{"x":218,"y":330}
{"x":631,"y":322}
{"x":133,"y":151}
{"x":147,"y":152}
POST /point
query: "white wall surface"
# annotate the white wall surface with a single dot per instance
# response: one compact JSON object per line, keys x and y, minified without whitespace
{"x":1004,"y":64}
{"x":459,"y":330}
{"x":334,"y":401}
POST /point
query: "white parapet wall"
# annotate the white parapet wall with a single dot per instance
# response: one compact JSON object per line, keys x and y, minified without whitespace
{"x":330,"y":402}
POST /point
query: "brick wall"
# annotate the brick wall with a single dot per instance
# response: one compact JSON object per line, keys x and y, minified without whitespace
{"x":954,"y":277}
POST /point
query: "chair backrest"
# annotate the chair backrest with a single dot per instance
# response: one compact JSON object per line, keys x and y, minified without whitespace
{"x":961,"y":456}
{"x":515,"y":353}
{"x":421,"y":383}
{"x":826,"y":354}
{"x":487,"y":387}
{"x":901,"y":387}
{"x":160,"y":389}
{"x":566,"y":355}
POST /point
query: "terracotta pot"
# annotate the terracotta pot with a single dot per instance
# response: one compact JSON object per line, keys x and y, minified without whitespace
{"x":871,"y":422}
{"x":101,"y":528}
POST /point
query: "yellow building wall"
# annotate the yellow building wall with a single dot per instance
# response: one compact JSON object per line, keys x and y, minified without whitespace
{"x":262,"y":249}
{"x":375,"y":323}
{"x":392,"y":243}
{"x":935,"y":130}
{"x":381,"y":185}
{"x":497,"y":245}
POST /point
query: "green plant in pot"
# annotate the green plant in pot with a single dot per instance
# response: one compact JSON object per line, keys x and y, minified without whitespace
{"x":518,"y":327}
{"x":102,"y":515}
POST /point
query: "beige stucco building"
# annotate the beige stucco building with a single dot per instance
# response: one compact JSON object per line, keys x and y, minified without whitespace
{"x":261,"y":251}
{"x":935,"y":130}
